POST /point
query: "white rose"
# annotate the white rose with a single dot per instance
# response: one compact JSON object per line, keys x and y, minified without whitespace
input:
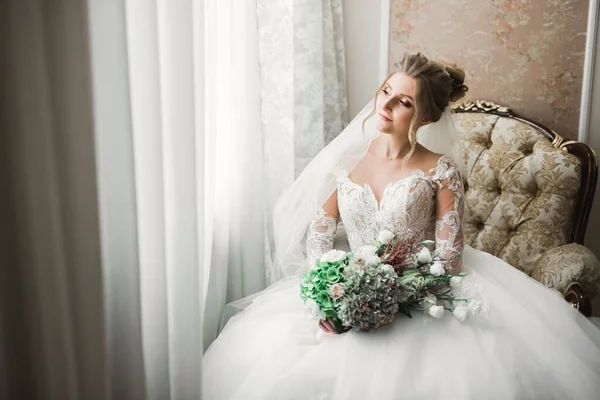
{"x":385,"y":237}
{"x":461,"y":312}
{"x":456,"y":282}
{"x":424,"y":256}
{"x":366,"y":251}
{"x":359,"y":260}
{"x":387,"y":268}
{"x":333,"y":256}
{"x":436,"y":311}
{"x":437,"y":269}
{"x":373,"y":261}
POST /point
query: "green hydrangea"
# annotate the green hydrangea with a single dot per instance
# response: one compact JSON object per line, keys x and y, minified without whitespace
{"x":316,"y":286}
{"x":370,"y":301}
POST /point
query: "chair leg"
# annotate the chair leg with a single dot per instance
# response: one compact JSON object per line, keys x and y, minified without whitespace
{"x":578,"y":299}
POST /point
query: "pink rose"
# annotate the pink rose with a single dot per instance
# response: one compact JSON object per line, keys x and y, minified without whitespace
{"x":336,"y":291}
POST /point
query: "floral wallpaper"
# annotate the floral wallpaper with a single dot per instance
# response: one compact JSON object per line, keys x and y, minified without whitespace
{"x":524,"y":54}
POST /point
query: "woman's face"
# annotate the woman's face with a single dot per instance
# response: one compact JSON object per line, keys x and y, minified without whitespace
{"x":395,"y":105}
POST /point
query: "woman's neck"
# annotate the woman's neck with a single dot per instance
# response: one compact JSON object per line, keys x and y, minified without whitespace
{"x":390,"y":147}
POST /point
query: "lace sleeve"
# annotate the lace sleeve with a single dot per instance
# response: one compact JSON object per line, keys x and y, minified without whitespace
{"x":321,"y":230}
{"x":449,"y":215}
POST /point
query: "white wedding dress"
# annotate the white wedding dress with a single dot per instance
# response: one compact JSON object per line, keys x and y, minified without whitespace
{"x":529,"y":344}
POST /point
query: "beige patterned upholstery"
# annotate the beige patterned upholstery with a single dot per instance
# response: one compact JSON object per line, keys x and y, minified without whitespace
{"x":561,"y":266}
{"x":521,"y":196}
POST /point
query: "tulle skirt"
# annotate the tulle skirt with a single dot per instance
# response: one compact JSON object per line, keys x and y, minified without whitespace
{"x":531,"y":345}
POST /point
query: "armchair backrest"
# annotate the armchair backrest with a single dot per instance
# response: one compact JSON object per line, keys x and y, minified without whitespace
{"x":527,"y":189}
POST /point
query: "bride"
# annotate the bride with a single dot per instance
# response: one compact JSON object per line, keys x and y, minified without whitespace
{"x":530,"y":344}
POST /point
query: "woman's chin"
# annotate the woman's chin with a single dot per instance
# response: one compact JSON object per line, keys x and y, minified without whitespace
{"x":383,"y":127}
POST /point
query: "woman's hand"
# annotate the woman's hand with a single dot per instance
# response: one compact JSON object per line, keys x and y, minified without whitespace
{"x":327,"y":326}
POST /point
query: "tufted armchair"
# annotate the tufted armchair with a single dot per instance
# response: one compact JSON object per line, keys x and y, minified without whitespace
{"x":528,"y":198}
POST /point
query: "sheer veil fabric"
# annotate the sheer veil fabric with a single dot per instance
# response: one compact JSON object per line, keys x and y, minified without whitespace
{"x":299,"y":204}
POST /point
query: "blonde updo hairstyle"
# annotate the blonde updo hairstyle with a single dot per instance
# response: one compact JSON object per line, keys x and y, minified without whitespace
{"x":439,"y":83}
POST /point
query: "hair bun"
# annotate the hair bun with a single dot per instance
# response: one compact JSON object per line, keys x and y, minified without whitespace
{"x":458,"y":89}
{"x":458,"y":92}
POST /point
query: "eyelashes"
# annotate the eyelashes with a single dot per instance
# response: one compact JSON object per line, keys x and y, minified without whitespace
{"x":404,"y":103}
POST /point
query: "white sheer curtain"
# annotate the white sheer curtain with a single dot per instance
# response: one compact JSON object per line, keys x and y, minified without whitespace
{"x":235,"y":195}
{"x":179,"y":149}
{"x":303,"y":87}
{"x":146,"y":112}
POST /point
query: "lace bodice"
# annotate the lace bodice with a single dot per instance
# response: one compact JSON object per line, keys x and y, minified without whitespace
{"x":417,"y":207}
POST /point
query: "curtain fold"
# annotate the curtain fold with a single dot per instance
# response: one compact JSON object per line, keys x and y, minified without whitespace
{"x":50,"y":267}
{"x":161,"y":66}
{"x":190,"y":151}
{"x":233,"y":159}
{"x":156,"y":293}
{"x":117,"y":198}
{"x":144,"y":74}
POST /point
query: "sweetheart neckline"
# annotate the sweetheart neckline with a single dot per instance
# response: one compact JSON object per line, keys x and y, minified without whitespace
{"x":369,"y":189}
{"x":416,"y":173}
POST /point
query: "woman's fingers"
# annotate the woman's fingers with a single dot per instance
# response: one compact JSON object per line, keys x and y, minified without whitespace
{"x":329,"y":324}
{"x":332,"y":324}
{"x":323,"y":327}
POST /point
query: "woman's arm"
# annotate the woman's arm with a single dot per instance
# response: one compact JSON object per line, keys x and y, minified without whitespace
{"x":322,"y":229}
{"x":449,"y":216}
{"x":319,"y":240}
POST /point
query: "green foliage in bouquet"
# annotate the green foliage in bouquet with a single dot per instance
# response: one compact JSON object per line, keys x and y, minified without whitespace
{"x":366,"y":290}
{"x":357,"y":290}
{"x":321,"y":287}
{"x":424,"y":285}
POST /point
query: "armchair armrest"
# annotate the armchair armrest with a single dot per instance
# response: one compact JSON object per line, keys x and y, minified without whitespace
{"x":573,"y":270}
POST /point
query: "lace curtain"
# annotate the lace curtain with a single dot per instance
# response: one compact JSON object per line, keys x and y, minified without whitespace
{"x":303,"y":87}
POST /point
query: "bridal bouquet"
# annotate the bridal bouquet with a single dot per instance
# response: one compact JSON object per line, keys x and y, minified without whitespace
{"x":356,"y":290}
{"x":367,"y":289}
{"x":423,"y":284}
